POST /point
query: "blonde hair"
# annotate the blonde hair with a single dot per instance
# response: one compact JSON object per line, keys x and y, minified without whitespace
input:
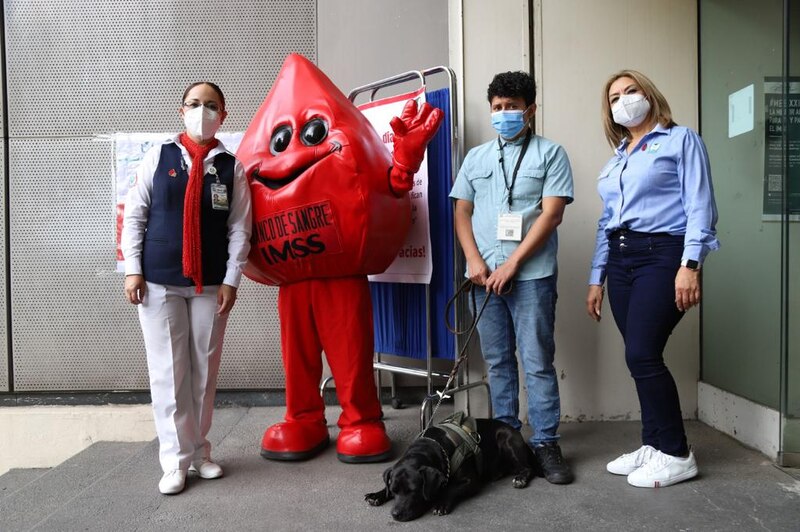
{"x":659,"y":108}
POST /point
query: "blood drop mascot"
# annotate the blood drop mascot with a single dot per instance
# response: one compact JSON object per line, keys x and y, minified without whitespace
{"x":330,"y":206}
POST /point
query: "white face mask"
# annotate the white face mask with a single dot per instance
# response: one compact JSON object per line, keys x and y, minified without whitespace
{"x":630,"y":110}
{"x":201,"y":122}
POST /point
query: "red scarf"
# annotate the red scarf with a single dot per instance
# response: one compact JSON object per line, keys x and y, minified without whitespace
{"x":192,"y":251}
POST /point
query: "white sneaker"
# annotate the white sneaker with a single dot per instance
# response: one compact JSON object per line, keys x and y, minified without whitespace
{"x":630,"y":462}
{"x":663,"y":470}
{"x":206,"y":468}
{"x":172,"y":482}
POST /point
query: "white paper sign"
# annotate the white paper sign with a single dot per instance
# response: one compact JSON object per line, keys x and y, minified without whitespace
{"x":740,"y":112}
{"x":413,"y":263}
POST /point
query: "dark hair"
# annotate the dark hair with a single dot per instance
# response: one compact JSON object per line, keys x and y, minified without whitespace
{"x":212,"y":85}
{"x":513,"y":85}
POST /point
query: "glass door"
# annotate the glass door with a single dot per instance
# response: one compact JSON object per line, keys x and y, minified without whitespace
{"x":750,"y":122}
{"x":789,"y":128}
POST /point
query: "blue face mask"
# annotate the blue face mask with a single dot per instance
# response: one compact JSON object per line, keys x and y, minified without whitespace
{"x":508,"y":124}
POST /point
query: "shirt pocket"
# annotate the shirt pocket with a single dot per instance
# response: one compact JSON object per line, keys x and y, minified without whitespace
{"x":530,"y":183}
{"x":481,"y":182}
{"x":606,"y":187}
{"x":607,"y":170}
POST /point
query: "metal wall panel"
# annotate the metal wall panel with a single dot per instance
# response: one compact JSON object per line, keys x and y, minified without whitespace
{"x":251,"y":357}
{"x":4,"y":384}
{"x":73,"y":330}
{"x":3,"y":315}
{"x":87,"y":67}
{"x":2,"y":107}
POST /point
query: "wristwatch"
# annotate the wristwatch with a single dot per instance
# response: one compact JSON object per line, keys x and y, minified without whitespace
{"x":691,"y":264}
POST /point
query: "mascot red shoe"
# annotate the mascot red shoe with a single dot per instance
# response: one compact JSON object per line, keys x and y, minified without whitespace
{"x":330,"y":206}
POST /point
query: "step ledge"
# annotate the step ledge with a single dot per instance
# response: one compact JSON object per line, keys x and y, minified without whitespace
{"x":32,"y":431}
{"x":752,"y":424}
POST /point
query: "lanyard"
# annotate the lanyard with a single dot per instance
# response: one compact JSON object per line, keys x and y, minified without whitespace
{"x":525,"y":144}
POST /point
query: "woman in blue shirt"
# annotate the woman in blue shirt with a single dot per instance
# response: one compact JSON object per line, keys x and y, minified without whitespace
{"x":656,"y":228}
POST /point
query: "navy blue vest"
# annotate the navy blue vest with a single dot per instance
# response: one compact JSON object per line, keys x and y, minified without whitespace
{"x":162,"y":253}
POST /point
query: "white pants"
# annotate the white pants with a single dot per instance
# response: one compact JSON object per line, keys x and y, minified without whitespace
{"x":183,"y":338}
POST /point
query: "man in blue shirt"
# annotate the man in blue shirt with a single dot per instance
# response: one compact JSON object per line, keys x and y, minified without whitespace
{"x":510,"y":197}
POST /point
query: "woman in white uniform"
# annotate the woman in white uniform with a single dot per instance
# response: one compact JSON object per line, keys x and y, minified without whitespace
{"x":185,"y":240}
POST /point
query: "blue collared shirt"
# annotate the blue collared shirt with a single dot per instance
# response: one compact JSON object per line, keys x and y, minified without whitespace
{"x":662,"y":186}
{"x":544,"y":172}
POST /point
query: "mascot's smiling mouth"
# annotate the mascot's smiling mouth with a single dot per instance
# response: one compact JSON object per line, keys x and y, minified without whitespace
{"x":276,"y":184}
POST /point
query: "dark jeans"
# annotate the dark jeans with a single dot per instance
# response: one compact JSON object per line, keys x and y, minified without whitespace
{"x":641,"y":290}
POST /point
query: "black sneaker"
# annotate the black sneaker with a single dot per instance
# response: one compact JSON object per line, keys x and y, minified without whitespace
{"x":556,"y":470}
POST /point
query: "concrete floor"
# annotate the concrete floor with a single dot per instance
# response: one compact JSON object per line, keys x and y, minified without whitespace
{"x":113,"y":487}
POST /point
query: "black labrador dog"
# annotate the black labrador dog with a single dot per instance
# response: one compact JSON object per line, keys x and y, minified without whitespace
{"x":439,"y":469}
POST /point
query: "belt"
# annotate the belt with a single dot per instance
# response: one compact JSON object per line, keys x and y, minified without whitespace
{"x":622,"y":234}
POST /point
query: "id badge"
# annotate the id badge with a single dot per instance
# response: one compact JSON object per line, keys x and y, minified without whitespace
{"x":509,"y":227}
{"x":219,"y":197}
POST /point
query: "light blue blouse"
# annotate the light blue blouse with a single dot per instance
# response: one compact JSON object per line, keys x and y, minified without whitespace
{"x":662,"y":186}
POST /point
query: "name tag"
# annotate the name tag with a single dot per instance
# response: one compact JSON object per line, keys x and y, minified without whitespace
{"x":219,"y":197}
{"x":509,"y":227}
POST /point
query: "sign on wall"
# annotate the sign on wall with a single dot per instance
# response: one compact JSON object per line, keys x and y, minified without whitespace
{"x":413,"y":263}
{"x":740,"y":111}
{"x":774,"y":178}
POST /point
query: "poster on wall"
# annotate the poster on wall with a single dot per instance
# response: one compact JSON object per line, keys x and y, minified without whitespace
{"x":129,"y":149}
{"x":413,"y":263}
{"x":774,"y":124}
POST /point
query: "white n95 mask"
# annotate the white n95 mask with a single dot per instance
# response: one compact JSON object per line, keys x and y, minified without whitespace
{"x":201,"y":122}
{"x":630,"y":110}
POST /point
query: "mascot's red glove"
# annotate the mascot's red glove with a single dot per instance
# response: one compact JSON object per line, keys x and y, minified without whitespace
{"x":412,"y":132}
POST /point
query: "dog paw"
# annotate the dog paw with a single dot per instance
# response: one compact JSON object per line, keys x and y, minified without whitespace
{"x":520,"y":481}
{"x":373,"y":500}
{"x":441,"y":509}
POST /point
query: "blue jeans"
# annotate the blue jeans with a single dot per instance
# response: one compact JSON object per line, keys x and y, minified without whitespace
{"x":522,"y":319}
{"x":641,"y":291}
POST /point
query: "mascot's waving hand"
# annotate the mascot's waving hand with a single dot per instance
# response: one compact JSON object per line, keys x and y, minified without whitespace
{"x":330,"y":206}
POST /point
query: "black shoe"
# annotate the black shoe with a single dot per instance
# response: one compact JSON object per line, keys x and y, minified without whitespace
{"x":556,"y":470}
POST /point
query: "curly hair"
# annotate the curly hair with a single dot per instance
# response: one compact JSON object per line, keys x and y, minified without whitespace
{"x":513,"y":85}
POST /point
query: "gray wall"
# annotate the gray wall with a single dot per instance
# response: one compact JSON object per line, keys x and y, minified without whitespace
{"x":75,"y":332}
{"x":578,"y":46}
{"x":573,"y":47}
{"x":361,"y":41}
{"x":4,"y":377}
{"x":485,"y":38}
{"x":85,"y":68}
{"x":4,"y":381}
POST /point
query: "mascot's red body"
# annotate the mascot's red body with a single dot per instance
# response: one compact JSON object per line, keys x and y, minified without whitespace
{"x":330,"y":205}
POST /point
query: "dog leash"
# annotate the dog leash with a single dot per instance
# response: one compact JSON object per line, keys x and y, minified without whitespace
{"x":466,"y":287}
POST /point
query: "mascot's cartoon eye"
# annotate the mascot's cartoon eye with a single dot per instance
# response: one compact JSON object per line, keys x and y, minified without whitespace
{"x":280,"y":139}
{"x":314,"y":132}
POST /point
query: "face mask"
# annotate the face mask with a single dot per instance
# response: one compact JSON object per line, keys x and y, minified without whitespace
{"x":630,"y":110}
{"x":508,"y":124}
{"x":201,"y":122}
